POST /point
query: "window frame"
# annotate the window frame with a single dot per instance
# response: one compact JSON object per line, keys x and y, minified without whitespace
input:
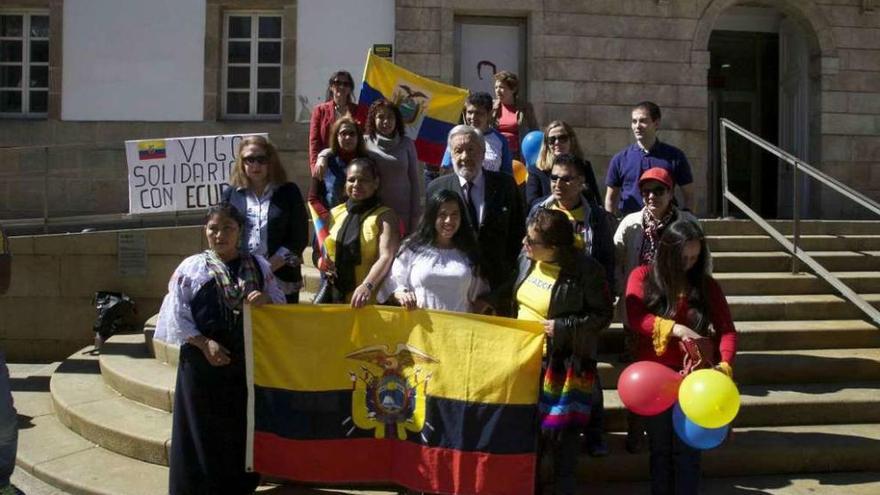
{"x":26,"y":64}
{"x":254,"y":65}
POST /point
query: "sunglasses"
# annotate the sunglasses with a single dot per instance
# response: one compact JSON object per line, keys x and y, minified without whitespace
{"x":344,"y":84}
{"x":564,"y":178}
{"x":252,"y":159}
{"x":562,"y":138}
{"x":657,"y":191}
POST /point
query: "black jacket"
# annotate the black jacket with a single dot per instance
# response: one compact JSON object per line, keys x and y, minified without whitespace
{"x":500,"y":234}
{"x":538,"y":184}
{"x":603,"y":236}
{"x":580,"y":302}
{"x":288,"y":224}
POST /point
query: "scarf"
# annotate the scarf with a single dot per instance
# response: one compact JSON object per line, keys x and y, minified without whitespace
{"x":348,"y":243}
{"x":233,"y":292}
{"x":652,"y":229}
{"x":566,"y":395}
{"x":388,"y":145}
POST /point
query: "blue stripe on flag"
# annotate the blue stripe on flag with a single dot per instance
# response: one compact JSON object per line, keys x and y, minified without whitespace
{"x":368,"y":95}
{"x":435,"y":130}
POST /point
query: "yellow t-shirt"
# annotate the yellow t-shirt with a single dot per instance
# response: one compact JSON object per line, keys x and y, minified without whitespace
{"x":534,"y":294}
{"x":576,"y":217}
{"x":371,"y":229}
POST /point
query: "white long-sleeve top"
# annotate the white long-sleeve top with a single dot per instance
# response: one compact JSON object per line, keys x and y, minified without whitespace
{"x":176,"y":324}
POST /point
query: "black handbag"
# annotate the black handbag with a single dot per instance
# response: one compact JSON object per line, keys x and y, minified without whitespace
{"x":328,"y":293}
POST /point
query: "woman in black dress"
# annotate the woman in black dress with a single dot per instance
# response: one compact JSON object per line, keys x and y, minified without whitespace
{"x":203,"y":314}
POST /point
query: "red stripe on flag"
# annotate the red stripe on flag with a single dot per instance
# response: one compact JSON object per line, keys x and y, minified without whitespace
{"x":430,"y":152}
{"x":371,"y":460}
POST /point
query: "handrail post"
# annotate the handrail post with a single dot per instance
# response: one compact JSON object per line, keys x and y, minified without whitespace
{"x":46,"y":190}
{"x":796,"y":214}
{"x":725,"y":207}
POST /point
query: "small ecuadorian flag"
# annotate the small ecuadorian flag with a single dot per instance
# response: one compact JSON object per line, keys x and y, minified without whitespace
{"x":430,"y":109}
{"x":151,"y":150}
{"x":434,"y":401}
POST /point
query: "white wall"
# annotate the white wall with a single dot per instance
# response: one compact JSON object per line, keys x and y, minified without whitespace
{"x":140,"y":60}
{"x":335,"y":35}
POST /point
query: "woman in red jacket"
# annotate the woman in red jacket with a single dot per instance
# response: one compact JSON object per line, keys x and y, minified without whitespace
{"x":670,"y":301}
{"x":338,"y":104}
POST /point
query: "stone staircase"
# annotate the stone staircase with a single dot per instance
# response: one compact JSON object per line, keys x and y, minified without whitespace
{"x":808,"y":370}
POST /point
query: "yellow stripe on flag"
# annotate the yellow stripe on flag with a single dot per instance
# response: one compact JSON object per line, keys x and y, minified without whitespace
{"x":446,"y":101}
{"x":479,"y":359}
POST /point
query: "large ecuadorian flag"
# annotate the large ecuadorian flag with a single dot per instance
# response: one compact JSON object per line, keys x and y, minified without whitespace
{"x":434,"y":401}
{"x":430,"y":109}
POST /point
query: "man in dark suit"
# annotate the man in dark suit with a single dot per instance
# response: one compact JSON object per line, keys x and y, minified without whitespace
{"x":494,"y":211}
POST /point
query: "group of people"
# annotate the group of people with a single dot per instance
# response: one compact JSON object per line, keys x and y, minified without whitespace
{"x":552,"y":251}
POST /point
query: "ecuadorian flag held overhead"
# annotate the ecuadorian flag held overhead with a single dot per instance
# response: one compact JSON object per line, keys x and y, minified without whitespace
{"x":430,"y":109}
{"x":434,"y":401}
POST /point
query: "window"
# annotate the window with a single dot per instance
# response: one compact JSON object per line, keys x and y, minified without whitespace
{"x":24,"y":64}
{"x":252,"y":65}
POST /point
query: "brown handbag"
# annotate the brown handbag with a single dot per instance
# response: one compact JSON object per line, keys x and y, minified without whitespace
{"x":698,"y":354}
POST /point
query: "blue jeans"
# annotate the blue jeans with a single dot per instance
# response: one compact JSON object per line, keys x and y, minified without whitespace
{"x":8,"y":426}
{"x":675,"y":467}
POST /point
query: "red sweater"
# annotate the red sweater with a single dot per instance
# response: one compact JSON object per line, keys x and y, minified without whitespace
{"x":641,"y":322}
{"x":323,"y":116}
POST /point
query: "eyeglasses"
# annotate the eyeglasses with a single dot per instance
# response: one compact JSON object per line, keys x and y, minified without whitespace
{"x":252,"y":159}
{"x":567,"y":179}
{"x":657,"y":191}
{"x":561,"y":138}
{"x":340,"y":82}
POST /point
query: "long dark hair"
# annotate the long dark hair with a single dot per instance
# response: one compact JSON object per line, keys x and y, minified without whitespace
{"x":555,"y":231}
{"x":426,"y":233}
{"x":668,"y":279}
{"x":338,"y":75}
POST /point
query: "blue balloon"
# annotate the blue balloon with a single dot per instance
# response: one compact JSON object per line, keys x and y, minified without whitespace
{"x":531,"y":147}
{"x":695,"y":435}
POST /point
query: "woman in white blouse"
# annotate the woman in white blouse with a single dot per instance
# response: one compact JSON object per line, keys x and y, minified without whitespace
{"x":437,"y":266}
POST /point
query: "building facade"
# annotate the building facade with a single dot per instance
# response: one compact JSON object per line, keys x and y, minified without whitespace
{"x":79,"y":77}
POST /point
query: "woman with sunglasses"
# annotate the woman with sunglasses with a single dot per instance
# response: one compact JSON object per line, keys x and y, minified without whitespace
{"x":670,"y":301}
{"x":635,"y":243}
{"x":559,"y":138}
{"x":566,"y":290}
{"x":338,"y":104}
{"x":276,"y":224}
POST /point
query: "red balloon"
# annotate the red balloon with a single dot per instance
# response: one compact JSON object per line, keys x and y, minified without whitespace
{"x":648,"y":388}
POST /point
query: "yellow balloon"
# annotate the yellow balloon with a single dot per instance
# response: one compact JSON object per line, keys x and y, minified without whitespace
{"x":709,"y":398}
{"x":520,"y":172}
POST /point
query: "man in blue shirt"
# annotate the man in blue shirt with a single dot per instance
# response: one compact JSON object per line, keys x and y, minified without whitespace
{"x":478,"y":114}
{"x":622,"y":195}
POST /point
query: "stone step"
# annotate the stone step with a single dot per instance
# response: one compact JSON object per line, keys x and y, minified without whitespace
{"x":796,"y":307}
{"x":785,"y":405}
{"x":859,"y":483}
{"x":799,"y":366}
{"x":128,"y":368}
{"x":85,"y":404}
{"x":718,"y":226}
{"x":862,"y":242}
{"x":759,"y":451}
{"x":780,"y":261}
{"x":781,"y":335}
{"x":780,"y":283}
{"x":53,"y":453}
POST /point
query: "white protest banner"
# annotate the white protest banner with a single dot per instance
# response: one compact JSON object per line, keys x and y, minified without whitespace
{"x":177,"y":174}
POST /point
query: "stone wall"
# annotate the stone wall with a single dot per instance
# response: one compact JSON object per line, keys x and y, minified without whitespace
{"x":48,"y":312}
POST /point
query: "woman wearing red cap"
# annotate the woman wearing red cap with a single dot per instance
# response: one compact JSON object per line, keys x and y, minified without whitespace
{"x":635,"y":244}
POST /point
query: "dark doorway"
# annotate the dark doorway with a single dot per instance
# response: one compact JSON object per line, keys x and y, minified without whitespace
{"x":743,"y":87}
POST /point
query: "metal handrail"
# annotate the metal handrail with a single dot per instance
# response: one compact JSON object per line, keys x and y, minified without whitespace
{"x":797,"y":254}
{"x":109,"y":221}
